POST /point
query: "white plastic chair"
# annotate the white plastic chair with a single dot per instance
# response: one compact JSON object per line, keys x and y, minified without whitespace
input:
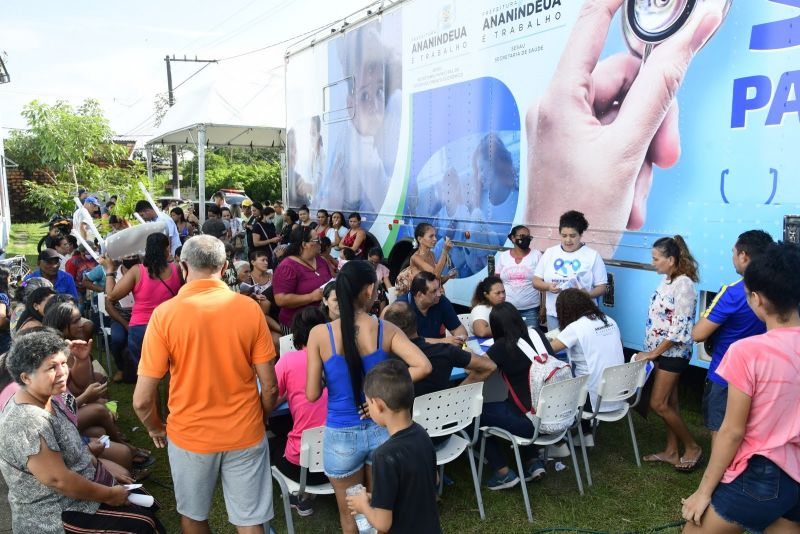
{"x":448,"y":413}
{"x":466,"y":320}
{"x":310,"y":462}
{"x":559,"y":404}
{"x":618,"y":383}
{"x":287,"y":343}
{"x":391,"y":295}
{"x":104,"y":329}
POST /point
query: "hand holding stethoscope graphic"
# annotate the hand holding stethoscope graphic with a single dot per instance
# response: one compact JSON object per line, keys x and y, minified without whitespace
{"x":601,"y":126}
{"x":646,"y":23}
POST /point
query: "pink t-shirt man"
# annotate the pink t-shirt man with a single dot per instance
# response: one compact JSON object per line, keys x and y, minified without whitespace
{"x":767,"y":369}
{"x":291,"y":372}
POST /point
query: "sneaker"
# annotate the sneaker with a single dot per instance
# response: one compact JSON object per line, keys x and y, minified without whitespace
{"x":561,"y":450}
{"x":498,"y":482}
{"x":303,"y":506}
{"x":535,"y":471}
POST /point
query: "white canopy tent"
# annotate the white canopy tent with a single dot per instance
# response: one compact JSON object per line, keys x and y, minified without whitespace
{"x":225,"y":110}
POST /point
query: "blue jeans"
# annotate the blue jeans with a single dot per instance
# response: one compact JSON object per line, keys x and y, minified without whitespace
{"x":531,"y":317}
{"x":117,"y":343}
{"x":715,"y":400}
{"x":346,"y":450}
{"x":507,"y":416}
{"x":135,"y":339}
{"x":758,"y":497}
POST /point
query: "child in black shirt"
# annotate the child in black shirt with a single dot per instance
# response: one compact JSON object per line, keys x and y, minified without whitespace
{"x":404,"y":468}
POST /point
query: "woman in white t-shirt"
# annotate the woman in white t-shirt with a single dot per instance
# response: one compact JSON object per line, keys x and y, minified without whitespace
{"x":570,"y":264}
{"x":591,"y":338}
{"x":489,"y":293}
{"x":516,"y":268}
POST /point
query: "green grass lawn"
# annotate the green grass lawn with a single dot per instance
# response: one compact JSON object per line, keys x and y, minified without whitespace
{"x":23,"y":240}
{"x":623,"y":498}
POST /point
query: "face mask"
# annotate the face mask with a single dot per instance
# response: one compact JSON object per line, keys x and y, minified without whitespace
{"x":523,"y":242}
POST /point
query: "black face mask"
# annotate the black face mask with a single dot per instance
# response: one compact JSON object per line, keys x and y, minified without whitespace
{"x":523,"y":242}
{"x":128,"y":263}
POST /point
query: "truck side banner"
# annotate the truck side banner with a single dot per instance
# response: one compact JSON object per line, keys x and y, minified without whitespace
{"x":476,"y":115}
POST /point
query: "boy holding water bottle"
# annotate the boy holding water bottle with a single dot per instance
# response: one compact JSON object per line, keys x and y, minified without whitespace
{"x":403,"y":468}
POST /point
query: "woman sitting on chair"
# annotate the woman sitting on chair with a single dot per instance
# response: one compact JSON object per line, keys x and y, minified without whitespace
{"x":291,"y":373}
{"x":592,"y":340}
{"x":509,"y":414}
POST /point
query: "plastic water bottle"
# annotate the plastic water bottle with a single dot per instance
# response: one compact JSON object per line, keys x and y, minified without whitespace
{"x":361,"y":521}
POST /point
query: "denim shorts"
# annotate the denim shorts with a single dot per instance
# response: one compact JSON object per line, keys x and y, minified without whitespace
{"x":758,"y":497}
{"x":715,"y":399}
{"x":346,"y":450}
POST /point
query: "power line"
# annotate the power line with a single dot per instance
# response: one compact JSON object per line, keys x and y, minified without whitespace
{"x":195,"y":73}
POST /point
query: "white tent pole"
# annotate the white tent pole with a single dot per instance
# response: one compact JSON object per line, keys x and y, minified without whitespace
{"x":201,"y":171}
{"x":149,"y":155}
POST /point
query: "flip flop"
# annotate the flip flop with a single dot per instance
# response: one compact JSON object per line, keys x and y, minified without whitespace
{"x":140,"y":474}
{"x":656,"y":458}
{"x":687,"y":466}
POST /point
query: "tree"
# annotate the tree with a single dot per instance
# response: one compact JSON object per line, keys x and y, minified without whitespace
{"x":61,"y":141}
{"x":74,"y":148}
{"x":257,"y":171}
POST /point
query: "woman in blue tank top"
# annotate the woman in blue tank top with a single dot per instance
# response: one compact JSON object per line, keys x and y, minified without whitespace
{"x":345,"y":350}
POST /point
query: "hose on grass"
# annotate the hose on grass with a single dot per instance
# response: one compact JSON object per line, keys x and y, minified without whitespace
{"x":658,"y":528}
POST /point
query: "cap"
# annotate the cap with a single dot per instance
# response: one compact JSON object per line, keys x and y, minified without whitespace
{"x":91,"y":200}
{"x":81,"y":191}
{"x":49,"y":254}
{"x":247,"y":202}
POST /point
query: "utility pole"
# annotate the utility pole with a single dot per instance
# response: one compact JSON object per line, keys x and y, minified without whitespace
{"x":176,"y":186}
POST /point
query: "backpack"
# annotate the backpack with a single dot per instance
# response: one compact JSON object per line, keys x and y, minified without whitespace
{"x":545,"y":369}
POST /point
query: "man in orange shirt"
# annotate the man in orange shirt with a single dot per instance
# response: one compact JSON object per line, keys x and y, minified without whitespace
{"x":210,"y":339}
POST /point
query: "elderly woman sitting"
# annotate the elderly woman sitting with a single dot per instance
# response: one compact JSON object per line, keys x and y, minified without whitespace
{"x":49,"y":471}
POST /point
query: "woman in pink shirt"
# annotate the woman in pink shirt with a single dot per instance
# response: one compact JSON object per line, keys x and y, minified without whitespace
{"x":753,"y":477}
{"x":291,"y":372}
{"x":152,"y":282}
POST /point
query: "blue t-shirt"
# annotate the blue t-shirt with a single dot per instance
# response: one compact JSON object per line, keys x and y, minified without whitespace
{"x":440,"y":314}
{"x":64,"y":283}
{"x":736,"y":321}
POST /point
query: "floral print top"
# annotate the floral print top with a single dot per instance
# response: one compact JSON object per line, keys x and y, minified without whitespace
{"x":671,"y":316}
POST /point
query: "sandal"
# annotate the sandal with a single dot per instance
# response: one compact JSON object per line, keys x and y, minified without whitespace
{"x":687,"y":466}
{"x":656,"y":458}
{"x":139,"y":474}
{"x":143,"y":458}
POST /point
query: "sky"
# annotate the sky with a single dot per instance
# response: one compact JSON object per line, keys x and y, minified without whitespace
{"x":114,"y":51}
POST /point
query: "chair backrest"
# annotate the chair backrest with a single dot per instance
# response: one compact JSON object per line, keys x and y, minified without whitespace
{"x":620,"y":382}
{"x":445,"y":412}
{"x":466,"y":320}
{"x":287,"y":343}
{"x":311,"y":449}
{"x":560,"y":402}
{"x":101,"y":303}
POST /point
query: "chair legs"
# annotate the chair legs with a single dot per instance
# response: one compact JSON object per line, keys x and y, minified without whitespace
{"x":476,"y":482}
{"x":287,"y":509}
{"x":522,"y":483}
{"x":585,"y":457}
{"x":520,"y":472}
{"x":633,"y":440}
{"x":575,"y":462}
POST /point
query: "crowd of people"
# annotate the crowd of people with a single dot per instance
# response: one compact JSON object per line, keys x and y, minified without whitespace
{"x":208,"y":305}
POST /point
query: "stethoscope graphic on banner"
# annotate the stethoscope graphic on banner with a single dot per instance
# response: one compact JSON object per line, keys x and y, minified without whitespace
{"x":647,"y":23}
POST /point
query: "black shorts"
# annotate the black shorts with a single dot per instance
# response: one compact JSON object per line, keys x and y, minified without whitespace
{"x":673,"y":365}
